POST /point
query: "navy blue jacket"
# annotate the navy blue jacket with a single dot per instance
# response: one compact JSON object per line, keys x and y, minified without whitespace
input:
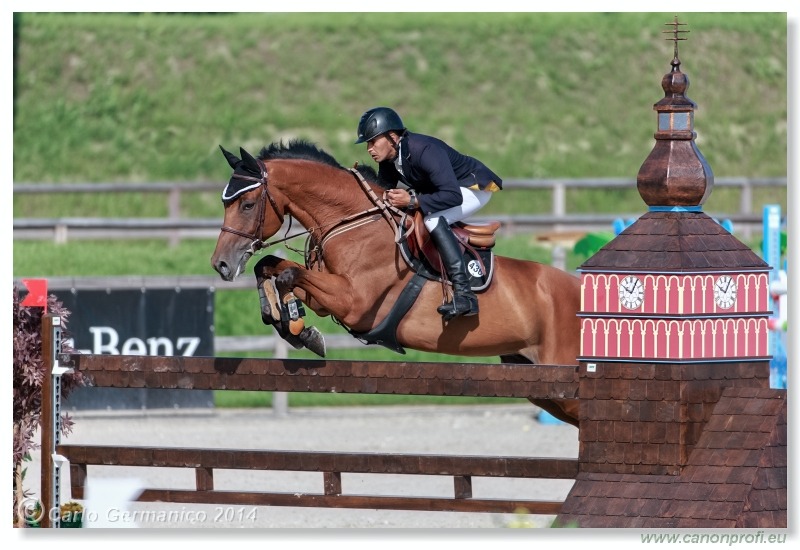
{"x":436,"y":171}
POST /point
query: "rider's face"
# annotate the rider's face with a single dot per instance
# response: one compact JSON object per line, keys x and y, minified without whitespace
{"x":381,"y":148}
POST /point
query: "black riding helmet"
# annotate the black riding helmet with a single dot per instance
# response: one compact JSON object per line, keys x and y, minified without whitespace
{"x":377,"y":121}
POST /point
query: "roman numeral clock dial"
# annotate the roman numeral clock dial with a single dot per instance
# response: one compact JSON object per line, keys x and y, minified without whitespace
{"x":631,"y":292}
{"x":725,"y":292}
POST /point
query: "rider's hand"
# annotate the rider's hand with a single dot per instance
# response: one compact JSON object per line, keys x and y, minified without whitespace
{"x":399,"y":198}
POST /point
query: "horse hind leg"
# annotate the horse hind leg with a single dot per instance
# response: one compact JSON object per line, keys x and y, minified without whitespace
{"x":565,"y":410}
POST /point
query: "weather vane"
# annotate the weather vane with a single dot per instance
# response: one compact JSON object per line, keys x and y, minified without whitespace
{"x":675,"y":32}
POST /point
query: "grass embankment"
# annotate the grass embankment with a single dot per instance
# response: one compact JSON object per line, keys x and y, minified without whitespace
{"x":120,"y":97}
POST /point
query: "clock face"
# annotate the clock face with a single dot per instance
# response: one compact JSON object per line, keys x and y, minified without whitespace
{"x":725,"y":291}
{"x":631,"y":292}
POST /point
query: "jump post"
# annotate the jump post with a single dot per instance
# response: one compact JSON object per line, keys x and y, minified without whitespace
{"x":286,"y":375}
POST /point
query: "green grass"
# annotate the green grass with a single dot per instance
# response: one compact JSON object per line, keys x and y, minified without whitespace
{"x":149,"y":97}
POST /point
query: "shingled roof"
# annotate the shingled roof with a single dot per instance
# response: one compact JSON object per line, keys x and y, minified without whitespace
{"x":736,"y":475}
{"x":675,"y":241}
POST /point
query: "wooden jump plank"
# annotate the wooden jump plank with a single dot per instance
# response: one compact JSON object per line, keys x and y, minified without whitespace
{"x":329,"y":376}
{"x":404,"y":378}
{"x":345,"y":501}
{"x":320,"y":461}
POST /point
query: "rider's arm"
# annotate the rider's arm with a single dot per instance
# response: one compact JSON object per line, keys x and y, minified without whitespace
{"x":445,"y":191}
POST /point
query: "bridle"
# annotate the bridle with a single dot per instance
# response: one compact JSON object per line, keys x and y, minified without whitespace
{"x":255,"y":236}
{"x":380,"y":206}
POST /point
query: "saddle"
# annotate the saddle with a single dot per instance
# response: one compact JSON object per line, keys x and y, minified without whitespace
{"x":476,"y":240}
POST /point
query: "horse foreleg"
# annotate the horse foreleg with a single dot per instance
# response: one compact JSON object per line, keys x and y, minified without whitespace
{"x":325,"y":293}
{"x":278,"y":310}
{"x":271,"y":266}
{"x":265,"y":271}
{"x":268,"y":296}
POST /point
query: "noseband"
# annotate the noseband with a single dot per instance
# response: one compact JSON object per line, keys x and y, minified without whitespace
{"x":255,"y":236}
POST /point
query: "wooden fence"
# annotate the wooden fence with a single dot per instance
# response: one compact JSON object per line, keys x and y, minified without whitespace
{"x":218,"y":373}
{"x":175,"y":227}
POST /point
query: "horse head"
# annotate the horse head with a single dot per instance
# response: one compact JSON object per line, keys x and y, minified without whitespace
{"x":246,"y":223}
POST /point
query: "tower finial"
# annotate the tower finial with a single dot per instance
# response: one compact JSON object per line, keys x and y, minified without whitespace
{"x":675,"y":174}
{"x":675,"y":32}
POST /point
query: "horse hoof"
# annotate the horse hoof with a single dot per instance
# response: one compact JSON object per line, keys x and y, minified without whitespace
{"x":313,"y":340}
{"x":289,"y":338}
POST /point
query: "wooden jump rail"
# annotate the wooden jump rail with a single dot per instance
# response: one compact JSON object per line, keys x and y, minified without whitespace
{"x":332,"y":465}
{"x":406,"y":378}
{"x":329,"y":376}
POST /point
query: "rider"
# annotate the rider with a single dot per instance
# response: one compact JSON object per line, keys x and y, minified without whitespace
{"x":449,"y":187}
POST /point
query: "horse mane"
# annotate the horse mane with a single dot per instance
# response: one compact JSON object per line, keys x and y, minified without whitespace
{"x":305,"y":150}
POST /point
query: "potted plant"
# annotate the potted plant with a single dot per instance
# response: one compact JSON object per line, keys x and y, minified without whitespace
{"x":71,"y":515}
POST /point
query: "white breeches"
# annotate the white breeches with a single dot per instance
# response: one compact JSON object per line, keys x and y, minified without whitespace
{"x":473,"y":200}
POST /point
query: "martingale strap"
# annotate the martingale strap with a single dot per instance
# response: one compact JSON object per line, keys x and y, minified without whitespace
{"x":356,"y":220}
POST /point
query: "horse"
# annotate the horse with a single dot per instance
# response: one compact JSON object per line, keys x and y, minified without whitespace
{"x":355,"y":272}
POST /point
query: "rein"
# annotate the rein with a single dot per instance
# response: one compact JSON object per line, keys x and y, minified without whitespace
{"x":387,"y":210}
{"x":356,"y":220}
{"x":342,"y":226}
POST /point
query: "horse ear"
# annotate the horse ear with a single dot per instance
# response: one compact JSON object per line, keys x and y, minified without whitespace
{"x":231,"y":158}
{"x":249,"y":160}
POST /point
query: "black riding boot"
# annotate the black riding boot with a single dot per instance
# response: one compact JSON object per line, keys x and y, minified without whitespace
{"x":464,"y":300}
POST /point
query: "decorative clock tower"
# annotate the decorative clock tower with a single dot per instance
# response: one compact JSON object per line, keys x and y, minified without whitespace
{"x":674,"y":310}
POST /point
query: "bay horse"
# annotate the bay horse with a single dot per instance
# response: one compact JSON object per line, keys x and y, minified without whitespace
{"x":355,"y":273}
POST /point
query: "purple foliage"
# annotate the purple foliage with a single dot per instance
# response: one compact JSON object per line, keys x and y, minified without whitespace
{"x":29,"y":370}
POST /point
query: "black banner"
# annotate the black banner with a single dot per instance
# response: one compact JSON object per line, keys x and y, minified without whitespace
{"x":169,"y":322}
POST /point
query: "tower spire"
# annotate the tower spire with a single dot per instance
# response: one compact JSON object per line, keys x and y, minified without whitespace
{"x":675,"y":175}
